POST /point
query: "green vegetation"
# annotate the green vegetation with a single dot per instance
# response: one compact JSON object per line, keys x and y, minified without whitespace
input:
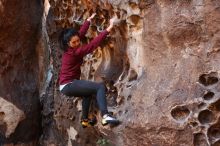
{"x":103,"y":142}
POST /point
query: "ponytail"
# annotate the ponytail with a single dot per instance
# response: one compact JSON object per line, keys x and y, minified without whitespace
{"x":65,"y":37}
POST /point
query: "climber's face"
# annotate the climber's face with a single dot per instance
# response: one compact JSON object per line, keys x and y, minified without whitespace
{"x":74,"y":41}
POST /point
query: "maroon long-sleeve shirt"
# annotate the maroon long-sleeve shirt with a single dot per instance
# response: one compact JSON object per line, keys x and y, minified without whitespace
{"x":72,"y":59}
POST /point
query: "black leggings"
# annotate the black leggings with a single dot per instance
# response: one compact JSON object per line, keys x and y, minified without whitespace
{"x":85,"y":89}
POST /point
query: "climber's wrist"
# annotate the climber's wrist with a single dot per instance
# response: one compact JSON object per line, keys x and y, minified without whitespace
{"x":109,"y":28}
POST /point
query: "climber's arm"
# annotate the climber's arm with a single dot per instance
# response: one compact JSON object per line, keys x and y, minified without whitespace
{"x":86,"y":49}
{"x":84,"y":28}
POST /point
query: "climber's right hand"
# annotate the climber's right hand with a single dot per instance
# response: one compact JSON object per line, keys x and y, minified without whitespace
{"x":91,"y":17}
{"x":111,"y":23}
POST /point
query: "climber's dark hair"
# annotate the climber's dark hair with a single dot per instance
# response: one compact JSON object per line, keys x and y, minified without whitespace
{"x":65,"y":37}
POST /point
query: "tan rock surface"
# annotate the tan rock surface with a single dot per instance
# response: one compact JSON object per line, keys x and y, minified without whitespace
{"x":10,"y":115}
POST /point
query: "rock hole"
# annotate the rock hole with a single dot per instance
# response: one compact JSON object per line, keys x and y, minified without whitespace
{"x":2,"y":115}
{"x":92,"y":70}
{"x":180,"y":113}
{"x":214,"y":131}
{"x":200,"y":140}
{"x":134,"y":19}
{"x":208,"y":95}
{"x":201,"y":105}
{"x":206,"y":116}
{"x":132,"y":75}
{"x":118,"y":14}
{"x":208,"y":79}
{"x":120,"y":113}
{"x":217,"y":143}
{"x":215,"y":106}
{"x":129,"y":97}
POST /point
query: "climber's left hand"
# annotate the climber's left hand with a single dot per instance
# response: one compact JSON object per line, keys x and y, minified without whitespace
{"x":91,"y":17}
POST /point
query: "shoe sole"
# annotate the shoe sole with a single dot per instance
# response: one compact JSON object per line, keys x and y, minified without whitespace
{"x":110,"y":122}
{"x":88,"y":125}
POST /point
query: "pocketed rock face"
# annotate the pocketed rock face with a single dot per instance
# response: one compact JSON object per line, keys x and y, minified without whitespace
{"x":160,"y":65}
{"x":20,"y":23}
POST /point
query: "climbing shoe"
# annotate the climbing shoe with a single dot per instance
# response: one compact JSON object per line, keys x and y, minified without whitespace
{"x":88,"y":122}
{"x":108,"y":119}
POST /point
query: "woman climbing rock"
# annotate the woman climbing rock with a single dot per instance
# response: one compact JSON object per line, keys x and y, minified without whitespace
{"x":69,"y":76}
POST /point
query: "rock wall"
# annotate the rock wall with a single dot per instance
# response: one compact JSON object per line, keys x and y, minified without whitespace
{"x":20,"y":29}
{"x":160,"y":65}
